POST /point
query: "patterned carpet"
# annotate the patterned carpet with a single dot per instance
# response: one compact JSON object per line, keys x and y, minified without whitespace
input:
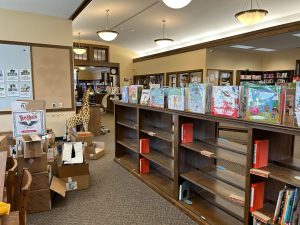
{"x":114,"y":198}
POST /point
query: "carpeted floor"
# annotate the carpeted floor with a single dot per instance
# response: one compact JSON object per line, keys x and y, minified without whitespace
{"x":114,"y":198}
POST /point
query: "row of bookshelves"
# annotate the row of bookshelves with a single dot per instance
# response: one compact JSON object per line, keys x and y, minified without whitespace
{"x":184,"y":158}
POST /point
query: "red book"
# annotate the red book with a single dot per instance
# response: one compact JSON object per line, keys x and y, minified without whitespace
{"x":257,"y":196}
{"x":144,"y":145}
{"x":144,"y":166}
{"x":260,"y":158}
{"x":187,"y":133}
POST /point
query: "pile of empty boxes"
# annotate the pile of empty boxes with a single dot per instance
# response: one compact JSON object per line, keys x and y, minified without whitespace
{"x":56,"y":167}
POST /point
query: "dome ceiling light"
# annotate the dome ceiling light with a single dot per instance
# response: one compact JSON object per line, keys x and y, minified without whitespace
{"x":163,"y":42}
{"x":251,"y":16}
{"x":107,"y":34}
{"x":79,"y":50}
{"x":177,"y":4}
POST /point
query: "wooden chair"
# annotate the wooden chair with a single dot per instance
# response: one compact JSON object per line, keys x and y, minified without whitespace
{"x":10,"y":182}
{"x":19,"y":217}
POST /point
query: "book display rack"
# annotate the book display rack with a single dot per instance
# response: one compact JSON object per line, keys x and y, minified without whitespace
{"x":228,"y":182}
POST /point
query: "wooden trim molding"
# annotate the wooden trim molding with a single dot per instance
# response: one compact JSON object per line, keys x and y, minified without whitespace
{"x":80,"y":8}
{"x":270,"y":31}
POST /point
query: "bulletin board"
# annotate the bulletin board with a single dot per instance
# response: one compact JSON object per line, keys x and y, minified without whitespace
{"x":15,"y":74}
{"x":36,"y":71}
{"x":53,"y":77}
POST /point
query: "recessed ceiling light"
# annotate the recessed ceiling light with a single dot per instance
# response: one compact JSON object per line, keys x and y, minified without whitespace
{"x":132,"y":29}
{"x":242,"y":46}
{"x":297,"y":35}
{"x":265,"y":49}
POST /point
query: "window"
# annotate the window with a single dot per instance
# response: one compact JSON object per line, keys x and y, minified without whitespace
{"x":100,"y":55}
{"x":81,"y":57}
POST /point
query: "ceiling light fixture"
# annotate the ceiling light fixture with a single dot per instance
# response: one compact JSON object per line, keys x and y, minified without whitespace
{"x":241,"y":46}
{"x":251,"y":16}
{"x":107,"y":34}
{"x":163,"y":42}
{"x":265,"y":49}
{"x":177,"y":4}
{"x":81,"y":67}
{"x":79,"y":50}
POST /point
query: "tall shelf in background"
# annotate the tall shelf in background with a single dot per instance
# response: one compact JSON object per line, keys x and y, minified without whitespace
{"x":182,"y":78}
{"x":215,"y":169}
{"x":148,"y":79}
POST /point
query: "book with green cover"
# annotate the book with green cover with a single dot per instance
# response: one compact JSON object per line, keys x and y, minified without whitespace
{"x":199,"y":96}
{"x":157,"y":97}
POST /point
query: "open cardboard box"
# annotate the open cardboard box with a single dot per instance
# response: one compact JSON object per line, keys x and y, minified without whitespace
{"x":94,"y":151}
{"x":3,"y":140}
{"x":82,"y":137}
{"x":32,"y":146}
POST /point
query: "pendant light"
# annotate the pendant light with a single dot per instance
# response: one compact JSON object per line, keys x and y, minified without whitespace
{"x":79,"y":50}
{"x":177,"y":4}
{"x":163,"y":42}
{"x":251,"y":16}
{"x":107,"y":34}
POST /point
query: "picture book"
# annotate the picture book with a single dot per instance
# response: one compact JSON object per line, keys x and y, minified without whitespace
{"x":198,"y":98}
{"x":134,"y":93}
{"x":225,"y":101}
{"x":157,"y":97}
{"x":263,"y":103}
{"x":176,"y":99}
{"x":124,"y":92}
{"x":145,"y":99}
{"x":297,"y":103}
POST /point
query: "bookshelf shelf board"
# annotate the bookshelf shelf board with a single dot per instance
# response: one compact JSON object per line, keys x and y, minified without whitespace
{"x":129,"y":143}
{"x":226,"y":176}
{"x":160,"y":159}
{"x":292,"y":163}
{"x":156,"y":132}
{"x":226,"y":144}
{"x":213,"y":185}
{"x":210,"y":213}
{"x":129,"y":162}
{"x":128,"y":123}
{"x":160,"y":181}
{"x":283,"y":174}
{"x":268,"y":211}
{"x":218,"y":152}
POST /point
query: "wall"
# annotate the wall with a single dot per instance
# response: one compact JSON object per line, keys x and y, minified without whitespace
{"x":35,"y":28}
{"x":283,"y":60}
{"x":86,"y":75}
{"x":180,"y":62}
{"x":118,"y":55}
{"x":233,"y":60}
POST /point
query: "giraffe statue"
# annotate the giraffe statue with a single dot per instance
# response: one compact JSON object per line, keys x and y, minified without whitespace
{"x":82,"y":117}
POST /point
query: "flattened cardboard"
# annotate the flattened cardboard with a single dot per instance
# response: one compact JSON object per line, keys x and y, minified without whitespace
{"x":3,"y":140}
{"x":58,"y":186}
{"x":39,"y":201}
{"x":34,"y":165}
{"x":95,"y":151}
{"x":73,"y":170}
{"x":32,"y":146}
{"x":40,"y":181}
{"x":77,"y":183}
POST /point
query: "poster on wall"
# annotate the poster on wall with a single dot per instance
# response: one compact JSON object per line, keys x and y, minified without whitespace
{"x":2,"y":90}
{"x":1,"y":76}
{"x":12,"y":75}
{"x":12,"y":89}
{"x":25,"y":90}
{"x":25,"y":75}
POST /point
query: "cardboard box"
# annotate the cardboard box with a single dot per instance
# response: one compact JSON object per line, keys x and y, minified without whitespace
{"x":82,"y":137}
{"x":76,"y":177}
{"x":39,"y":201}
{"x":32,"y":146}
{"x":54,"y":167}
{"x":51,"y":137}
{"x":40,"y":181}
{"x":34,"y":165}
{"x":58,"y":186}
{"x":77,"y":183}
{"x":94,"y":151}
{"x":3,"y":140}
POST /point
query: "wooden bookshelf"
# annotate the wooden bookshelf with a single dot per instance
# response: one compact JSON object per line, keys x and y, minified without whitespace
{"x":213,"y":180}
{"x":182,"y":78}
{"x":148,"y":79}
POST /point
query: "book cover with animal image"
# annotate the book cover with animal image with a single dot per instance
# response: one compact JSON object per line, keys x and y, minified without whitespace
{"x":157,"y":97}
{"x":134,"y":93}
{"x":124,"y":92}
{"x":199,"y":96}
{"x":297,"y":103}
{"x":176,"y":99}
{"x":263,"y":103}
{"x":145,"y":99}
{"x":225,"y":101}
